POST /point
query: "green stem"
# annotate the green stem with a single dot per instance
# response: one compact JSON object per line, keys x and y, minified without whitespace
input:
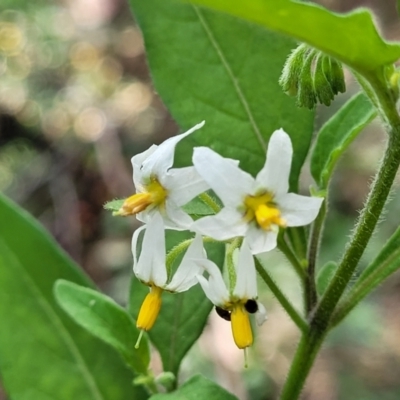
{"x":294,"y":315}
{"x":362,"y":288}
{"x":298,"y":239}
{"x":288,"y":252}
{"x":307,"y":350}
{"x":311,"y":297}
{"x":319,"y":323}
{"x":207,"y":199}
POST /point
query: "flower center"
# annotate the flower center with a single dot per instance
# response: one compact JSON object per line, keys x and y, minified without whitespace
{"x":241,"y":328}
{"x":150,"y":309}
{"x":263,"y":210}
{"x":154,"y":194}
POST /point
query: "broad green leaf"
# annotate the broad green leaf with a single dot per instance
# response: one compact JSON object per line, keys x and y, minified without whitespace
{"x":183,"y":315}
{"x":336,"y":135}
{"x":106,"y":320}
{"x":210,"y":66}
{"x":325,"y":275}
{"x":385,"y":264}
{"x":43,"y":353}
{"x":197,"y":388}
{"x":351,"y":38}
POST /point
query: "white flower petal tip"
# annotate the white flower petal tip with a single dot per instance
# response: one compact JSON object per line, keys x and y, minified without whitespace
{"x":261,"y":314}
{"x":162,"y":189}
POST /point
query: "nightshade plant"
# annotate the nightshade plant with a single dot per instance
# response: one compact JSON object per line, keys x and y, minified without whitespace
{"x":230,"y":187}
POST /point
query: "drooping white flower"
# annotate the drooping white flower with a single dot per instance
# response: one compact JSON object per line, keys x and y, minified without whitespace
{"x":254,"y":208}
{"x":151,"y":269}
{"x":162,"y":189}
{"x":235,"y":304}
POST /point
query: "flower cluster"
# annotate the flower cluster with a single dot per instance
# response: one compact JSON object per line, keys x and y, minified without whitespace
{"x":254,"y":209}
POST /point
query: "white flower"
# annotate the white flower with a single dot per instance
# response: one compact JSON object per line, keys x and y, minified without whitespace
{"x":151,"y":269}
{"x":162,"y":189}
{"x":235,"y":304}
{"x":254,"y":208}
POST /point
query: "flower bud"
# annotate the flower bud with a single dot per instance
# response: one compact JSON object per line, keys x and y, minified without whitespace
{"x":322,"y":86}
{"x":289,"y":79}
{"x":166,"y":379}
{"x":306,"y":94}
{"x":334,"y":73}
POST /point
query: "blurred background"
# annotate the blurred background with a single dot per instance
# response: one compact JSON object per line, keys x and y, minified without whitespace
{"x":77,"y":102}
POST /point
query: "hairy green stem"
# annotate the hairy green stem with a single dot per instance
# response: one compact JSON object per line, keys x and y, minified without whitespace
{"x":320,"y":319}
{"x":362,"y":288}
{"x":311,"y":297}
{"x":298,"y":240}
{"x":288,"y":252}
{"x":207,"y":199}
{"x":294,"y":315}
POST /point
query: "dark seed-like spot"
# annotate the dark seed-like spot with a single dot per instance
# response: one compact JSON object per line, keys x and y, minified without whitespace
{"x":225,"y":314}
{"x":251,"y":306}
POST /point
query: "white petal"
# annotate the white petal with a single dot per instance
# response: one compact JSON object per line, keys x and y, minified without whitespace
{"x":175,"y":217}
{"x":185,"y":276}
{"x":184,"y":184}
{"x":274,"y":176}
{"x":135,"y":238}
{"x":229,"y":182}
{"x":228,"y":223}
{"x":260,"y":240}
{"x":215,"y":288}
{"x":246,"y":280}
{"x":137,"y":162}
{"x":151,"y":266}
{"x":161,"y":160}
{"x":299,"y":210}
{"x":261,"y":314}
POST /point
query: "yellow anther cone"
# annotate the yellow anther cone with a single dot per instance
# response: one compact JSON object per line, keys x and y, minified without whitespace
{"x":267,"y":216}
{"x":135,"y":204}
{"x":150,"y":309}
{"x":241,"y":328}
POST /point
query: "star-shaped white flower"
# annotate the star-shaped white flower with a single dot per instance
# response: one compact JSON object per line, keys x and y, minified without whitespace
{"x":151,"y":269}
{"x":162,"y":189}
{"x":235,"y":304}
{"x":254,"y":208}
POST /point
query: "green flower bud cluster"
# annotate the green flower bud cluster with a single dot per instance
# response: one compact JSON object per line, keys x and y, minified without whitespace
{"x":312,"y":76}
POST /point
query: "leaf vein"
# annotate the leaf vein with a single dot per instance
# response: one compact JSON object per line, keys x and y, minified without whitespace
{"x":232,"y":76}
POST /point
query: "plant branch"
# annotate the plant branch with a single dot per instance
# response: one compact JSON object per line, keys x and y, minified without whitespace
{"x":288,"y":252}
{"x":320,"y":320}
{"x":294,"y":315}
{"x":311,"y":297}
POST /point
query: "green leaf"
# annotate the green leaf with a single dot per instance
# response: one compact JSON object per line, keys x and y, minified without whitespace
{"x":197,"y":388}
{"x":351,"y":38}
{"x":210,"y":66}
{"x":43,"y":354}
{"x":325,"y":275}
{"x":336,"y":135}
{"x":106,"y":320}
{"x":183,"y":315}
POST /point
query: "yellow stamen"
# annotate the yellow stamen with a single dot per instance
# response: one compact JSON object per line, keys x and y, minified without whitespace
{"x":135,"y":204}
{"x":154,"y":194}
{"x":150,"y":308}
{"x":267,"y":216}
{"x":241,"y":328}
{"x":262,"y":209}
